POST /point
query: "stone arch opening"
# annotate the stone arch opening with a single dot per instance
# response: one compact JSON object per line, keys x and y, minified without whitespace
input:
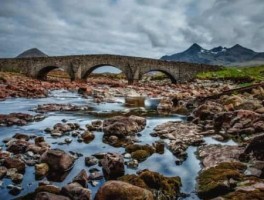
{"x":157,"y":75}
{"x":53,"y":73}
{"x":106,"y":73}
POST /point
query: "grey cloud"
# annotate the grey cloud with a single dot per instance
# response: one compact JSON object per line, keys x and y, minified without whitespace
{"x":148,"y":28}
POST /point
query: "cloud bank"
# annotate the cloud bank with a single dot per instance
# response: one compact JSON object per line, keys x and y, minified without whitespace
{"x":146,"y":28}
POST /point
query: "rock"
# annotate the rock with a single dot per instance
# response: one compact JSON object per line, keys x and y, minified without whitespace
{"x":95,"y":125}
{"x":123,"y":126}
{"x":113,"y":165}
{"x":81,"y":178}
{"x":140,"y":155}
{"x":17,"y":146}
{"x":50,"y":196}
{"x":212,"y":155}
{"x":57,"y":160}
{"x":217,"y":181}
{"x":162,"y":187}
{"x":20,"y":136}
{"x":16,"y":177}
{"x":47,"y":187}
{"x":41,"y":170}
{"x":87,"y":136}
{"x":90,"y":161}
{"x":59,"y":107}
{"x":75,"y":192}
{"x":165,"y":104}
{"x":208,"y":110}
{"x":181,"y":136}
{"x":256,"y":146}
{"x":15,"y":163}
{"x":19,"y":119}
{"x":3,"y":171}
{"x":159,"y":147}
{"x":14,"y":189}
{"x":121,"y":190}
{"x":68,"y":140}
{"x":132,"y":164}
{"x":96,"y":175}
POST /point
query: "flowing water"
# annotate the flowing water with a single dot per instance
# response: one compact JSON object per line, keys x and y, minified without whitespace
{"x":164,"y":163}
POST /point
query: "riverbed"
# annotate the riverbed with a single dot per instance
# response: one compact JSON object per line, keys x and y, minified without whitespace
{"x":164,"y":164}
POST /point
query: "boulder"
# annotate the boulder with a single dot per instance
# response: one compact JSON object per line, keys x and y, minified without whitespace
{"x":75,"y":192}
{"x":122,"y":190}
{"x":81,"y":178}
{"x":123,"y":126}
{"x":15,"y":163}
{"x":17,"y":146}
{"x":256,"y":146}
{"x":50,"y":196}
{"x":57,"y":160}
{"x":113,"y":165}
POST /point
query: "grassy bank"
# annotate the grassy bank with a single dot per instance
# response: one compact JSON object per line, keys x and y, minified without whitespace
{"x":245,"y":74}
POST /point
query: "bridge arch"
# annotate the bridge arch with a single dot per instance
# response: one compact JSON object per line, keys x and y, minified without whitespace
{"x":44,"y":71}
{"x":89,"y":70}
{"x":168,"y":74}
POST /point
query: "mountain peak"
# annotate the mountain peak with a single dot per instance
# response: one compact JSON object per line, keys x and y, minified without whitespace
{"x":237,"y":46}
{"x":194,"y":48}
{"x":236,"y":55}
{"x":34,"y":52}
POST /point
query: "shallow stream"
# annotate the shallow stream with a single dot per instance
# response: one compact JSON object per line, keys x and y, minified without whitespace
{"x":164,"y":163}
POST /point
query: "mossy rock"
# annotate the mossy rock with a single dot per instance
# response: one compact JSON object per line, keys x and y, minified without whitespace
{"x":134,"y":147}
{"x":215,"y":181}
{"x":168,"y":185}
{"x":140,"y":155}
{"x":245,"y":195}
{"x":134,"y":180}
{"x":162,"y":187}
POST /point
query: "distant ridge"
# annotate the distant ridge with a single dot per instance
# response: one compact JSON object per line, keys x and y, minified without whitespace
{"x":34,"y":52}
{"x":234,"y":56}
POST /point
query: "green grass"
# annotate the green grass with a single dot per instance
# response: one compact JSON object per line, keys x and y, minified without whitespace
{"x":255,"y":74}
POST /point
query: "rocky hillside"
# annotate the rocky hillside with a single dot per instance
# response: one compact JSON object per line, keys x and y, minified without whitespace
{"x":32,"y":53}
{"x":234,"y":56}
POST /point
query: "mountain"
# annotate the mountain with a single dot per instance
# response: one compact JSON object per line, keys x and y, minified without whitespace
{"x":234,"y":56}
{"x":32,"y":53}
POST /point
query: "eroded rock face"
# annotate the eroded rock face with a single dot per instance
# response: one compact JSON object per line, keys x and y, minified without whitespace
{"x":120,"y":130}
{"x":113,"y":165}
{"x":122,"y":190}
{"x":19,"y":119}
{"x":239,"y":123}
{"x":212,"y":155}
{"x":123,"y":126}
{"x":57,"y":159}
{"x":181,"y":136}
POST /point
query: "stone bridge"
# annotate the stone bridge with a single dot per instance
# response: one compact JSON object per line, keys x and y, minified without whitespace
{"x":80,"y":66}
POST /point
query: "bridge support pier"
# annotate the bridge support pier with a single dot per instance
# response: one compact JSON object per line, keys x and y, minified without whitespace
{"x":132,"y":81}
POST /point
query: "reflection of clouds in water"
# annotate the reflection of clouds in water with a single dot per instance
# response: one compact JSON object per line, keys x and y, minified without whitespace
{"x":165,"y":164}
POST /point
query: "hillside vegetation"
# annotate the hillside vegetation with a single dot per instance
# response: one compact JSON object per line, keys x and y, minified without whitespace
{"x":243,"y":74}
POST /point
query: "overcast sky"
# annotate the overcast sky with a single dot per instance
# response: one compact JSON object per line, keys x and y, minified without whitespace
{"x":146,"y":28}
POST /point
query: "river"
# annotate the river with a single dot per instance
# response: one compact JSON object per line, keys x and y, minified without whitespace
{"x":164,"y":164}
